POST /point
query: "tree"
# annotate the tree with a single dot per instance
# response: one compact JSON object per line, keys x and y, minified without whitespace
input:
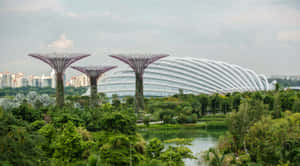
{"x":18,"y":145}
{"x":240,"y":122}
{"x":175,"y":155}
{"x":180,"y":92}
{"x":277,"y":106}
{"x":226,"y":105}
{"x":48,"y":131}
{"x":214,"y":158}
{"x":271,"y":140}
{"x":116,"y":101}
{"x":120,"y":150}
{"x":103,"y":98}
{"x":215,"y":103}
{"x":269,"y":99}
{"x":204,"y":103}
{"x":196,"y":105}
{"x":296,"y":106}
{"x":166,"y":115}
{"x":287,"y":99}
{"x":236,"y":101}
{"x":118,"y":122}
{"x":146,"y":120}
{"x":277,"y":87}
{"x":154,"y":148}
{"x":69,"y":145}
{"x":26,"y":112}
{"x":129,"y":100}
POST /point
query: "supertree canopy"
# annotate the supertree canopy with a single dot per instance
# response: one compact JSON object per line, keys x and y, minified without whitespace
{"x":59,"y":62}
{"x":139,"y":62}
{"x":93,"y":72}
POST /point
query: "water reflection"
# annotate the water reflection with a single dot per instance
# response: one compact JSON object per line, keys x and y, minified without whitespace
{"x":202,"y":139}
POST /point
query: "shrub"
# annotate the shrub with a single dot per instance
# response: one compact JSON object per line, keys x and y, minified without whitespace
{"x":146,"y":120}
{"x":36,"y":125}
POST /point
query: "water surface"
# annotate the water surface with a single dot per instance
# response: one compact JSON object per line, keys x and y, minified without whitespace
{"x":202,"y":139}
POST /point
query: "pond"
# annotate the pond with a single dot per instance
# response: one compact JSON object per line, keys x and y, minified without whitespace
{"x":202,"y":139}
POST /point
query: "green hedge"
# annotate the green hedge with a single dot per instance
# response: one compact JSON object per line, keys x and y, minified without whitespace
{"x":202,"y":125}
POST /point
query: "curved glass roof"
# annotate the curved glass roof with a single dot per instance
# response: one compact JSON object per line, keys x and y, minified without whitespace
{"x":193,"y":75}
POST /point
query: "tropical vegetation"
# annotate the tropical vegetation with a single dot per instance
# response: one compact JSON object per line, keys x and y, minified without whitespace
{"x":49,"y":91}
{"x":263,"y":128}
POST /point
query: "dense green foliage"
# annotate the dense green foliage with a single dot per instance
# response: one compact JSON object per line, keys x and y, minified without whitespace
{"x":74,"y":136}
{"x":49,"y":91}
{"x":189,"y":108}
{"x":263,"y":129}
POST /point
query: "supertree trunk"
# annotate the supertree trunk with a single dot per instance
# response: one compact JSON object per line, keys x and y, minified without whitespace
{"x":60,"y":98}
{"x":138,"y":63}
{"x":139,"y":93}
{"x":59,"y":62}
{"x":93,"y":72}
{"x":94,"y":90}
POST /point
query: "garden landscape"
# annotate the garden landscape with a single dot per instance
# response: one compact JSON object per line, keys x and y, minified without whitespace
{"x":149,"y":83}
{"x":251,"y":128}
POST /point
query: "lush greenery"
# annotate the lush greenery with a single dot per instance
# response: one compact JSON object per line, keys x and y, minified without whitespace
{"x":75,"y":136}
{"x":49,"y":91}
{"x":263,"y":129}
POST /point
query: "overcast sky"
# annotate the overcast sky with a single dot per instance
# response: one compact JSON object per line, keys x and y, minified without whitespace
{"x":263,"y":35}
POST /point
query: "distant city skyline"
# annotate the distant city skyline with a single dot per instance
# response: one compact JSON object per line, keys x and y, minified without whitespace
{"x":262,"y":35}
{"x":19,"y":79}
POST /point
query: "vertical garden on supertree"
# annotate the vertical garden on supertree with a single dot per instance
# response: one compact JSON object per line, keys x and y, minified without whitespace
{"x":139,"y":62}
{"x":93,"y":73}
{"x":59,"y":62}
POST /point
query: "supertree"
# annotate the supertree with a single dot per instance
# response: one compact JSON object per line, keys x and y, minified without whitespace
{"x":139,"y":62}
{"x":93,"y":72}
{"x":59,"y":62}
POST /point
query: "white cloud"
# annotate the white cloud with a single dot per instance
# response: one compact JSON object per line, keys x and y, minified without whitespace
{"x":72,"y":15}
{"x":293,"y":35}
{"x":31,"y":5}
{"x":93,"y":14}
{"x":282,"y":16}
{"x":61,"y":43}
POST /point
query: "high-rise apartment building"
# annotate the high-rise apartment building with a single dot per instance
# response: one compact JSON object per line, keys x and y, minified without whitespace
{"x":17,"y":80}
{"x":6,"y":80}
{"x":78,"y":81}
{"x":46,"y":81}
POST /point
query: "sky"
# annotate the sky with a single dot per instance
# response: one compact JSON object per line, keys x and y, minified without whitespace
{"x":262,"y":35}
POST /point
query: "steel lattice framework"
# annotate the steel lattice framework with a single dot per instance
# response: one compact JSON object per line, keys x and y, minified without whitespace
{"x":93,"y":72}
{"x":59,"y":62}
{"x":139,"y":62}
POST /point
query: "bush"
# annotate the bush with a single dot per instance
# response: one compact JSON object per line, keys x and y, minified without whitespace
{"x":36,"y":125}
{"x":27,"y":113}
{"x":146,"y":120}
{"x":272,"y":142}
{"x":118,"y":122}
{"x":18,"y":145}
{"x":154,"y":148}
{"x":94,"y":160}
{"x":69,"y":145}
